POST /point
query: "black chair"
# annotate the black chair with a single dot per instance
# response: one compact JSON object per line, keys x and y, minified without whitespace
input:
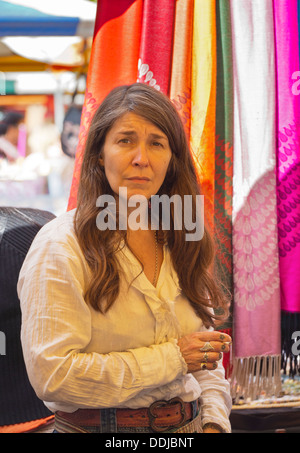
{"x":18,"y":401}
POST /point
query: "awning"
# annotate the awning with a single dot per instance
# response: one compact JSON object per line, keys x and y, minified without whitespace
{"x":67,"y":52}
{"x":36,"y":34}
{"x":47,"y":18}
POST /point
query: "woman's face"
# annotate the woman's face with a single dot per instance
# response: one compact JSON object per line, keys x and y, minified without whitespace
{"x":12,"y":134}
{"x":135,"y":155}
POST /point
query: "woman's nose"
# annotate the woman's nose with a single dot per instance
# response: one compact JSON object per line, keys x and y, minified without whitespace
{"x":141,"y":156}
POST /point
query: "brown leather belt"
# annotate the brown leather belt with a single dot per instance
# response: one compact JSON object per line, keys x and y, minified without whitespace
{"x":160,"y":416}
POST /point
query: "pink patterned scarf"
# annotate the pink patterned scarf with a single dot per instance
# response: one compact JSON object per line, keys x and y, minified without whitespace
{"x":256,"y":365}
{"x":288,"y":172}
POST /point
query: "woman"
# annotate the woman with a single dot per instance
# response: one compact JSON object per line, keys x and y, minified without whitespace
{"x":118,"y":322}
{"x":9,"y":133}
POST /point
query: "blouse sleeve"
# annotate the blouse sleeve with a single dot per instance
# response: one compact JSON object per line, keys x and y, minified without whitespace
{"x":216,"y":401}
{"x":56,"y":329}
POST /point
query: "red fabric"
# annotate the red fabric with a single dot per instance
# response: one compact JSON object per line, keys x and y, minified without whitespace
{"x":113,"y":62}
{"x":180,"y":83}
{"x":157,"y":43}
{"x":227,"y":359}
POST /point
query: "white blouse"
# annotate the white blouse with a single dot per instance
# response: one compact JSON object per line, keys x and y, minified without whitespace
{"x":77,"y":357}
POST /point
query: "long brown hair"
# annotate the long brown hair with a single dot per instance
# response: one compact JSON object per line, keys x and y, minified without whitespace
{"x":192,"y":260}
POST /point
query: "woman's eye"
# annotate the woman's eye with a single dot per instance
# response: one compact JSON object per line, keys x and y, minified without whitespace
{"x":158,"y":144}
{"x":124,"y":140}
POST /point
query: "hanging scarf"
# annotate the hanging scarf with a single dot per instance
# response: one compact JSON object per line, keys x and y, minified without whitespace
{"x":204,"y":61}
{"x":288,"y":171}
{"x":256,"y":364}
{"x":224,"y":142}
{"x":224,"y":158}
{"x":113,"y":62}
{"x":180,"y":84}
{"x":156,"y":44}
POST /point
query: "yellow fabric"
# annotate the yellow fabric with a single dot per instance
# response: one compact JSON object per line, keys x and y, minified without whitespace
{"x":204,"y":97}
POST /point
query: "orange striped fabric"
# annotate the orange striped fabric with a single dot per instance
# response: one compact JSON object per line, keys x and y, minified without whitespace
{"x":114,"y":61}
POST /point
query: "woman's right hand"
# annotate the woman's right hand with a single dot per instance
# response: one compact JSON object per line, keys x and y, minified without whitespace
{"x":202,"y":350}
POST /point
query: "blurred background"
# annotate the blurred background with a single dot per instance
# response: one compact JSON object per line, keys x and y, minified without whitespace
{"x":44,"y":55}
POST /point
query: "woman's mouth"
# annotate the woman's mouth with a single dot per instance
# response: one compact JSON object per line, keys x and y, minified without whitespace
{"x":139,"y":179}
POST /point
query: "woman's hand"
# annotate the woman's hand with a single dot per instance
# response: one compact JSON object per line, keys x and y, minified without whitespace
{"x":202,"y":350}
{"x":212,"y":428}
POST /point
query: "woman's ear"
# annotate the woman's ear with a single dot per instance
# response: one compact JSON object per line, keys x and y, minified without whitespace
{"x":101,"y":161}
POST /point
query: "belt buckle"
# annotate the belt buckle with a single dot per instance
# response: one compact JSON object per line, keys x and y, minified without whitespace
{"x":162,"y":403}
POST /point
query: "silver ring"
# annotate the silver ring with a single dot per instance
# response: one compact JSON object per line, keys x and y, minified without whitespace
{"x":207,"y":347}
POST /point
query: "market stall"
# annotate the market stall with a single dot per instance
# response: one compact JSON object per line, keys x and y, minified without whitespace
{"x":44,"y":56}
{"x":232,"y":73}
